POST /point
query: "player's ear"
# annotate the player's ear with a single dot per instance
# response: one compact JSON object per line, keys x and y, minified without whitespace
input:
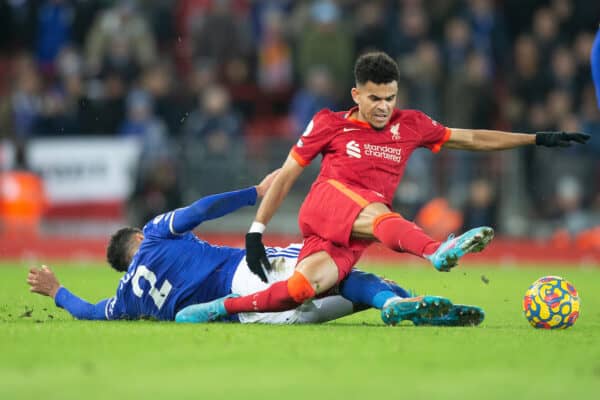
{"x":355,"y":92}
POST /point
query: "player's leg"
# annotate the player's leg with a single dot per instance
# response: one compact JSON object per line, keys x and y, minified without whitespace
{"x":283,"y":267}
{"x":378,"y":221}
{"x":398,"y":234}
{"x":321,"y":274}
{"x":396,"y":304}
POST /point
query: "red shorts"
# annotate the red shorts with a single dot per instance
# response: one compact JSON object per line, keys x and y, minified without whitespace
{"x":326,"y":218}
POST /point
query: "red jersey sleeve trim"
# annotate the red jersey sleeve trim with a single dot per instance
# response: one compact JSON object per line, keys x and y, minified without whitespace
{"x":298,"y":158}
{"x":438,"y":146}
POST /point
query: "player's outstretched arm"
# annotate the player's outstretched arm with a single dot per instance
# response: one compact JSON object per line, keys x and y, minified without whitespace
{"x":256,"y":256}
{"x":489,"y":140}
{"x":218,"y":205}
{"x":43,"y":281}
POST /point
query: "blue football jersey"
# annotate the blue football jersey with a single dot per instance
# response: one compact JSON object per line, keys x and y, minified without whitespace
{"x":171,"y":271}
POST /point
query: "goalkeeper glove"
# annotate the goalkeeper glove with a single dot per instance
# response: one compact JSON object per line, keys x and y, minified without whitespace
{"x":256,"y":256}
{"x":560,"y":139}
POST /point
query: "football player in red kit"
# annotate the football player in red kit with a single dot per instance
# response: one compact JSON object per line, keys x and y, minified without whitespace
{"x":364,"y":151}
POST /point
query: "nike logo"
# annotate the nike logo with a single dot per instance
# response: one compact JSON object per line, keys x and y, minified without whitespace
{"x":350,"y":129}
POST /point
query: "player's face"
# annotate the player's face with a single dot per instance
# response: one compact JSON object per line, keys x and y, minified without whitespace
{"x":376,"y":102}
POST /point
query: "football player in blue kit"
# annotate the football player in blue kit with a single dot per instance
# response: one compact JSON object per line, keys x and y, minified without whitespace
{"x":167,"y":268}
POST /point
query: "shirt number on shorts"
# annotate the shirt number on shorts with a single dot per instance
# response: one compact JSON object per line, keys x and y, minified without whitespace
{"x":159,"y":296}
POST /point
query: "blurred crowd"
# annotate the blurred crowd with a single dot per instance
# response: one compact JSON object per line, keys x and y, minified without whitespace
{"x":223,"y":87}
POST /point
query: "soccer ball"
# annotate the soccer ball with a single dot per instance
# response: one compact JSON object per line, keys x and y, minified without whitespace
{"x":551,"y":302}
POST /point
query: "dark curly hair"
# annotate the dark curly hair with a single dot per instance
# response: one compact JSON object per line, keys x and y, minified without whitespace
{"x":376,"y":67}
{"x":119,"y":248}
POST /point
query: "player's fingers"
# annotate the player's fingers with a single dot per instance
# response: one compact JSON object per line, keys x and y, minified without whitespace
{"x":581,"y":138}
{"x":265,"y":262}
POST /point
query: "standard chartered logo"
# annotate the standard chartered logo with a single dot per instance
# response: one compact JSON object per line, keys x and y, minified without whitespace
{"x":388,"y":153}
{"x":385,"y":152}
{"x":353,"y":149}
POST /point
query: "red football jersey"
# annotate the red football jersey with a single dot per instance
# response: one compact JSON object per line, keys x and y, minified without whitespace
{"x":357,"y":155}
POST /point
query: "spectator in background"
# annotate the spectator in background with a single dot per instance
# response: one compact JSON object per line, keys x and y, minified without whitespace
{"x":315,"y":95}
{"x":275,"y":66}
{"x":411,"y":30}
{"x":370,"y":31}
{"x":142,"y":124}
{"x":55,"y":18}
{"x":104,"y":108}
{"x":157,"y":81}
{"x":526,"y":84}
{"x":274,"y":55}
{"x":457,"y":45}
{"x":214,"y":123}
{"x":213,"y":145}
{"x":475,"y":109}
{"x":563,"y":70}
{"x":423,"y":73}
{"x":546,"y":34}
{"x":221,"y":36}
{"x":488,"y":31}
{"x":473,"y":86}
{"x":569,"y":201}
{"x":325,"y":42}
{"x":54,"y":118}
{"x":481,"y":204}
{"x":124,"y":27}
{"x":21,"y":108}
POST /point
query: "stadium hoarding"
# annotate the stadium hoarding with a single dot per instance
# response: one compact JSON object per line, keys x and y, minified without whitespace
{"x":83,"y":170}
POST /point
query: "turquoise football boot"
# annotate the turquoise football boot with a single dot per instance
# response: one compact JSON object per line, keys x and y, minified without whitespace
{"x":459,"y":315}
{"x":447,"y":255}
{"x":213,"y":311}
{"x":411,"y":308}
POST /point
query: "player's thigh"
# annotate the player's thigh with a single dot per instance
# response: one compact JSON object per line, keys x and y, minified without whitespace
{"x":363,"y":225}
{"x":320,"y":270}
{"x":246,"y":282}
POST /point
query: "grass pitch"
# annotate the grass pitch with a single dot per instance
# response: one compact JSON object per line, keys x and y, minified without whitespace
{"x":44,"y":353}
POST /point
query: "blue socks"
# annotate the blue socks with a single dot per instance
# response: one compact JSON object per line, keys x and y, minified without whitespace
{"x":369,"y":289}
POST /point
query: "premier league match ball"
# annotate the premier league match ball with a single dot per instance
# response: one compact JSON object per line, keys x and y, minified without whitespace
{"x":551,"y":302}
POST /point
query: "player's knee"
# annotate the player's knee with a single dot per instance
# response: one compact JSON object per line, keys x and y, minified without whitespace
{"x":300,"y":288}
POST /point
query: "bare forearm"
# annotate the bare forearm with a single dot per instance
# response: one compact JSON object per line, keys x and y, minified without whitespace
{"x":279,"y":189}
{"x":488,"y":140}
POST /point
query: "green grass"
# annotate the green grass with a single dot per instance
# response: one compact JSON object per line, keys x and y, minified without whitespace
{"x":49,"y":355}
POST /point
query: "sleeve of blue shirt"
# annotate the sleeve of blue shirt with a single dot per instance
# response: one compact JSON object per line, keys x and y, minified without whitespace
{"x":211,"y":207}
{"x":78,"y":307}
{"x":595,"y":62}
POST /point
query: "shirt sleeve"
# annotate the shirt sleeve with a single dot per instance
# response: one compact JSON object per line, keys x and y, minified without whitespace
{"x":80,"y":308}
{"x":185,"y":219}
{"x":433,"y":134}
{"x":314,"y":139}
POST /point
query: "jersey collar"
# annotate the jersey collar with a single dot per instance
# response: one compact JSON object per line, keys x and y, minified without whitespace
{"x":364,"y":124}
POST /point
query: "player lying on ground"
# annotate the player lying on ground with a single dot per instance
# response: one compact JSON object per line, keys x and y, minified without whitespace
{"x":365,"y":151}
{"x":168,"y":268}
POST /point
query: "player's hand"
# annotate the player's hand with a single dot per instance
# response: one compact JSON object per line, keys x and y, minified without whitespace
{"x":256,"y":256}
{"x":560,"y":139}
{"x":265,"y":184}
{"x":43,"y":281}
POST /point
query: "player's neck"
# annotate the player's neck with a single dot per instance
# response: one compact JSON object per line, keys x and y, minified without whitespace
{"x":356,"y":117}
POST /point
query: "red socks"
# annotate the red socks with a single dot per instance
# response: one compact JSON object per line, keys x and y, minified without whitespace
{"x":401,"y":235}
{"x":280,"y":296}
{"x":275,"y":298}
